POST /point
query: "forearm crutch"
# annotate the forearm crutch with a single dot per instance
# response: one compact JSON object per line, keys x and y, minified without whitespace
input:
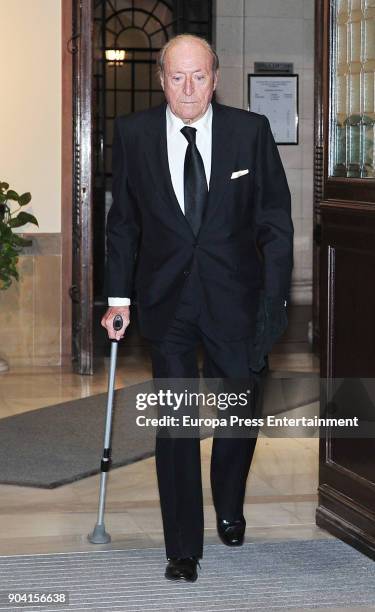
{"x":99,"y":535}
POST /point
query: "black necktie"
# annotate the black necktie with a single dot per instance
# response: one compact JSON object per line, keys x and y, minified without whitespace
{"x":195,"y":183}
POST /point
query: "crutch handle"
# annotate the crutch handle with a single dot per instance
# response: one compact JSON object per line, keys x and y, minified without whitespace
{"x":117,"y":325}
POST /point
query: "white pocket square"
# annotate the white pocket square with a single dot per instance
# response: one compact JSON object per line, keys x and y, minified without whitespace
{"x":239,"y":173}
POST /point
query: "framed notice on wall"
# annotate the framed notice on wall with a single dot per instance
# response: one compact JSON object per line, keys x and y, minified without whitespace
{"x":276,"y":96}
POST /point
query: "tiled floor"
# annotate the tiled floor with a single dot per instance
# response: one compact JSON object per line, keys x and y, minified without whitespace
{"x":281,"y":493}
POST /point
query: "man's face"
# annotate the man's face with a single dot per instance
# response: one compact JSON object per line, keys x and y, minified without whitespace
{"x":188,"y":80}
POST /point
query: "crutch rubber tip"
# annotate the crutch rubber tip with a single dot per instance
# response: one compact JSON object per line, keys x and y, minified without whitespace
{"x":99,"y":535}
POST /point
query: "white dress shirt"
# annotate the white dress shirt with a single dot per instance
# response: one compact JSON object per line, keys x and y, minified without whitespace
{"x":176,"y":146}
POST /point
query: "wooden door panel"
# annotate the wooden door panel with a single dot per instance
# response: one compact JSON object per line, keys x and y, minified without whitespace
{"x":347,"y":465}
{"x":354,"y":306}
{"x":357,"y":458}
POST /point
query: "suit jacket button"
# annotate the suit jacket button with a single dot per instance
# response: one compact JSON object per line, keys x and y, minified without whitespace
{"x":186,"y":272}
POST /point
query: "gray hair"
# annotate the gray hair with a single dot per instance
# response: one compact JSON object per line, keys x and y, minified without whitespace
{"x":171,"y":41}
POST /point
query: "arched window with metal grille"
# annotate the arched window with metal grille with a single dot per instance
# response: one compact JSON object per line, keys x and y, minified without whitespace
{"x":128,"y":36}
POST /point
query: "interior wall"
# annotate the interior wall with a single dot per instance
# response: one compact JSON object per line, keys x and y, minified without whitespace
{"x":30,"y":160}
{"x":30,"y":118}
{"x":247,"y":31}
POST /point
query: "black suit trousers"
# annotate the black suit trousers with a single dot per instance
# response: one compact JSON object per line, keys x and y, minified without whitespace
{"x":178,"y":461}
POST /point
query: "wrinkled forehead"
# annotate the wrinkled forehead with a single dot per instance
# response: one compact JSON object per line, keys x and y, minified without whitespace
{"x":188,"y":56}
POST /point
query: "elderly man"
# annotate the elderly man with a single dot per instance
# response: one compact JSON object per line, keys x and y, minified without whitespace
{"x":200,"y":223}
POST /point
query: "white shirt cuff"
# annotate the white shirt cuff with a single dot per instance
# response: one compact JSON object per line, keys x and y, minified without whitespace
{"x":116,"y":301}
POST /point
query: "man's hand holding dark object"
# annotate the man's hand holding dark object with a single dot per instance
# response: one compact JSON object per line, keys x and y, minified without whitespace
{"x":271,"y":323}
{"x":107,"y":321}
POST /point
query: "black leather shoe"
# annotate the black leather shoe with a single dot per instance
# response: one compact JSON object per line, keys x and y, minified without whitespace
{"x":231,"y":533}
{"x":182,"y":569}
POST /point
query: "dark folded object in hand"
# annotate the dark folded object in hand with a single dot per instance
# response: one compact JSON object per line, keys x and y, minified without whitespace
{"x":271,"y":323}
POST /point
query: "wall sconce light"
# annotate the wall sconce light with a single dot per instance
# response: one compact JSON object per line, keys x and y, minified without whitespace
{"x":115,"y":57}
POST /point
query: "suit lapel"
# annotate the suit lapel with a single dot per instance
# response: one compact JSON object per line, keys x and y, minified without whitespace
{"x":222,"y":159}
{"x":157,"y":155}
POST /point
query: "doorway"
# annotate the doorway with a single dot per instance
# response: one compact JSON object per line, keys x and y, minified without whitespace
{"x":114,"y":74}
{"x":127,"y":40}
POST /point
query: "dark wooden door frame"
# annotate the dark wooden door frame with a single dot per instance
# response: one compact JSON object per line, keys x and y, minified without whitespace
{"x":77,"y":185}
{"x":318,"y":170}
{"x":82,"y":190}
{"x":66,"y":180}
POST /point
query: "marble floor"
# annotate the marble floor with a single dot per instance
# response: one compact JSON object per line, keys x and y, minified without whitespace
{"x":281,"y":493}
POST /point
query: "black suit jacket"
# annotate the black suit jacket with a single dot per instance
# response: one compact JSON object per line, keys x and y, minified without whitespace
{"x":245,"y":241}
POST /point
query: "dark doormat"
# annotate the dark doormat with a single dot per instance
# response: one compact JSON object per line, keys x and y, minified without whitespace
{"x":52,"y":446}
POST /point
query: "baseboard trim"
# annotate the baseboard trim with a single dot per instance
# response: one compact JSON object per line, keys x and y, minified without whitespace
{"x":345,"y":531}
